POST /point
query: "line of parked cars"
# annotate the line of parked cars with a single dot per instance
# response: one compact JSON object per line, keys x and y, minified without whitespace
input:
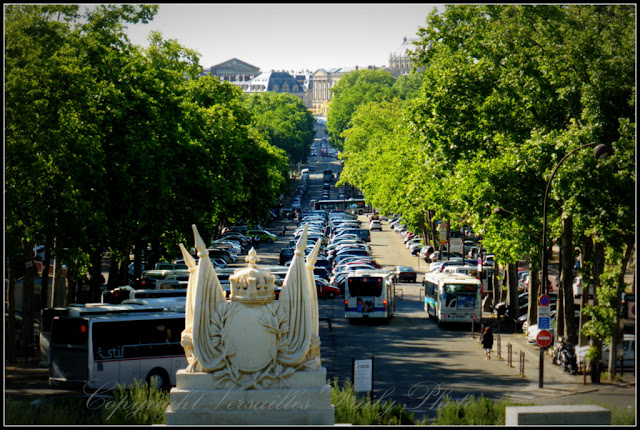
{"x":344,"y":248}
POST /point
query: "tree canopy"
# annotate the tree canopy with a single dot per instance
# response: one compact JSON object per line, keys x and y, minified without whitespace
{"x":111,"y":145}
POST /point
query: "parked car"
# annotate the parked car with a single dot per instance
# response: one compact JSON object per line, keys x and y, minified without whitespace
{"x":501,"y":308}
{"x":628,"y":305}
{"x":326,"y":290}
{"x":264,"y":235}
{"x":375,"y":225}
{"x":286,"y":254}
{"x":577,"y":288}
{"x":628,"y":350}
{"x":404,"y":274}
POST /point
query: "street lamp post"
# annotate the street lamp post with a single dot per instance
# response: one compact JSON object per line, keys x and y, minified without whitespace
{"x":600,"y":151}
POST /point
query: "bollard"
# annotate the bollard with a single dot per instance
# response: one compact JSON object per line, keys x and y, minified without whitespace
{"x":509,"y":355}
{"x":522,"y":363}
{"x":498,"y":352}
{"x":473,"y":327}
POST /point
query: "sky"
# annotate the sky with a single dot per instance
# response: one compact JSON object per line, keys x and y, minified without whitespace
{"x":286,"y":36}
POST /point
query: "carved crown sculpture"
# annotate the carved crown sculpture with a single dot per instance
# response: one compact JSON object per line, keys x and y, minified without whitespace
{"x":252,"y":284}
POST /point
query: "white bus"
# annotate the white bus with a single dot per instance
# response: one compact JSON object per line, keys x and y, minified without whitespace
{"x":369,"y":294}
{"x":472,"y":270}
{"x":451,"y":297}
{"x":75,"y":310}
{"x":104,"y":351}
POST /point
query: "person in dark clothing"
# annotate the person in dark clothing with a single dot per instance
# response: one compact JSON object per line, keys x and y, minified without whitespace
{"x":487,"y":342}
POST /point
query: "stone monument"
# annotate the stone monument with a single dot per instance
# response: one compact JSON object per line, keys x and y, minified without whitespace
{"x":252,"y":359}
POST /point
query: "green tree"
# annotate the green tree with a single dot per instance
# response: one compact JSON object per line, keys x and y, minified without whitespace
{"x":352,"y":90}
{"x":285,"y":121}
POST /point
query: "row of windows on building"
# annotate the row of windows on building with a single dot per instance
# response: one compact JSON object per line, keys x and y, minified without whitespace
{"x":311,"y":88}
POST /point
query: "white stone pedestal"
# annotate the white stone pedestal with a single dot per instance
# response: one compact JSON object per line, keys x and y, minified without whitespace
{"x":305,"y":400}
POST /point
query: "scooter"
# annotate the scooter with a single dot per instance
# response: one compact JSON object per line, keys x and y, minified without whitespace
{"x":558,"y":348}
{"x":569,"y":360}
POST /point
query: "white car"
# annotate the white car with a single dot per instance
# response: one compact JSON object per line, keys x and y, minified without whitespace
{"x":375,"y":225}
{"x":577,"y":288}
{"x":628,"y":347}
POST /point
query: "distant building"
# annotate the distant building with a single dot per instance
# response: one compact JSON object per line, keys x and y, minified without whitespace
{"x":279,"y":82}
{"x":399,"y":61}
{"x":323,"y":81}
{"x":235,"y":71}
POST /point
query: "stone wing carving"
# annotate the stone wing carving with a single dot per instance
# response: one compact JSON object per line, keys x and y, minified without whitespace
{"x":313,"y":357}
{"x":296,"y":303}
{"x":204,"y":294}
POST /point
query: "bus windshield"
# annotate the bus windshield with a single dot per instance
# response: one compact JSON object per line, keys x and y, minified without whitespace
{"x":365,"y":286}
{"x":460,"y":288}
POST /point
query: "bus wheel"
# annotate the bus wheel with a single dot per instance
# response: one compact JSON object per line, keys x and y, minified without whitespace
{"x":158,"y":378}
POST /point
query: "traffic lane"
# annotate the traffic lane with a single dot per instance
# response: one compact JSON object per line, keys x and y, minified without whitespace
{"x":416,"y":363}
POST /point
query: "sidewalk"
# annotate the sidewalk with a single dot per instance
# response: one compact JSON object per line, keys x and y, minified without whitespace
{"x":555,"y":381}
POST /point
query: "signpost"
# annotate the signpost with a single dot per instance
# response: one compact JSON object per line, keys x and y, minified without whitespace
{"x":544,"y":336}
{"x":362,"y":371}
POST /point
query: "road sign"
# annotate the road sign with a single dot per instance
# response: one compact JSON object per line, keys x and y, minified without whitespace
{"x":443,"y":232}
{"x":363,"y":375}
{"x":545,"y":300}
{"x":543,"y":323}
{"x":544,"y":338}
{"x":544,"y":311}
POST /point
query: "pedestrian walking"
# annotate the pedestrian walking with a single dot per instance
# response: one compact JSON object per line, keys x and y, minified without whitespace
{"x":284,"y":229}
{"x":487,"y":342}
{"x":257,"y":239}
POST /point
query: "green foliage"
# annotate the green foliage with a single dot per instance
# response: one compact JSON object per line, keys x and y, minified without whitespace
{"x":110,"y":144}
{"x":471,"y":411}
{"x":140,"y":405}
{"x":603,"y":321}
{"x":356,"y":409}
{"x":352,"y":90}
{"x":285,"y":121}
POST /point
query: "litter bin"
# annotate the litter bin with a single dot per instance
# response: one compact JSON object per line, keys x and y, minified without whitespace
{"x":596,"y":369}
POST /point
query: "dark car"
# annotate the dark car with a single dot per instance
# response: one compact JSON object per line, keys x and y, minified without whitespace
{"x":501,"y":308}
{"x":404,"y":274}
{"x":286,"y":254}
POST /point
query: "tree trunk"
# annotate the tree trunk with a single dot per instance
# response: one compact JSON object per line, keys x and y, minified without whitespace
{"x":95,"y":272}
{"x":137,"y":259}
{"x":11,"y":328}
{"x":534,"y":295}
{"x":27,"y":296}
{"x":566,"y":280}
{"x":123,"y":274}
{"x":617,"y":337}
{"x":113,"y":272}
{"x":598,"y":269}
{"x":44,"y":279}
{"x":587,"y":259}
{"x":512,"y":288}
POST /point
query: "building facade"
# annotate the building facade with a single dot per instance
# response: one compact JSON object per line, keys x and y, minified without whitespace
{"x":399,"y":61}
{"x":278,"y":82}
{"x":235,"y":71}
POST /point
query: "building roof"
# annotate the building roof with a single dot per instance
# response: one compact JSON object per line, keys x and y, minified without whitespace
{"x":407,"y":45}
{"x":234,"y":66}
{"x":269,"y":80}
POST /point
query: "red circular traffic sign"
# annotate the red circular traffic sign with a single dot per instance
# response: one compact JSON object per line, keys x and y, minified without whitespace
{"x":545,"y":300}
{"x":544,"y":338}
